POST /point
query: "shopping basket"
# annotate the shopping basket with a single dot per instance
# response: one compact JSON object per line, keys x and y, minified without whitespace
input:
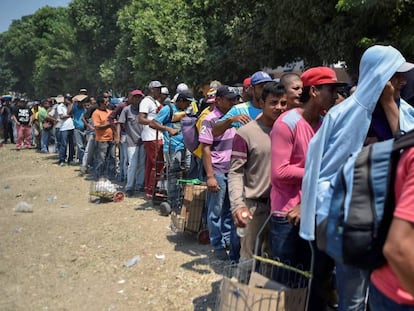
{"x":251,"y":285}
{"x":104,"y":190}
{"x":190,"y":216}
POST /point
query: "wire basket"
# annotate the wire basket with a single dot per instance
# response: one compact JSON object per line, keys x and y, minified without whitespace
{"x":255,"y":285}
{"x":105,"y":190}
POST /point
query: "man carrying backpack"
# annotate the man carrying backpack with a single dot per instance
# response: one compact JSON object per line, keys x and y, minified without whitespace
{"x":343,"y":133}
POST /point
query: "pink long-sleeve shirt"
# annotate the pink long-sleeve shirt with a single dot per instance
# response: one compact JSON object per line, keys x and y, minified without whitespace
{"x":290,"y":138}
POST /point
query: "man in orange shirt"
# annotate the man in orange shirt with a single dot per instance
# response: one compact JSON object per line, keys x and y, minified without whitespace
{"x":104,"y":137}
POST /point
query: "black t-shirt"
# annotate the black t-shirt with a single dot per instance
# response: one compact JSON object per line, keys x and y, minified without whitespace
{"x":23,"y":115}
{"x":88,"y":113}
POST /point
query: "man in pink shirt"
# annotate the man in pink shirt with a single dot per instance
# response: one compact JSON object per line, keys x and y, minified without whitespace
{"x":392,"y":286}
{"x":290,"y":137}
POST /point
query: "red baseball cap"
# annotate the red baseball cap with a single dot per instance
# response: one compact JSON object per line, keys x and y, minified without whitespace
{"x":137,"y":92}
{"x":247,"y":82}
{"x":320,"y":76}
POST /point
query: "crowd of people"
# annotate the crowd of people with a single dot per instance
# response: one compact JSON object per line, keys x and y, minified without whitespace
{"x":273,"y":148}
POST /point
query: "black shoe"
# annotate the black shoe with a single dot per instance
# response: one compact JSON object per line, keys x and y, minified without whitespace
{"x":129,"y":193}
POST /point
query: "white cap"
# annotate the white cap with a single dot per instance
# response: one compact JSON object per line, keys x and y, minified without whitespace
{"x":405,"y":67}
{"x":182,"y":87}
{"x":164,"y":90}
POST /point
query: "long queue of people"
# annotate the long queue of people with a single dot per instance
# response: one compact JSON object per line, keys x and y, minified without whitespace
{"x":274,"y":149}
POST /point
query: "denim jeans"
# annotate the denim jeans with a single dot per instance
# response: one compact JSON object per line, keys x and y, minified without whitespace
{"x":58,"y":139}
{"x":136,"y":167}
{"x":288,"y":247}
{"x":79,"y":139}
{"x":123,"y":158}
{"x":44,"y":141}
{"x":65,"y":142}
{"x":89,"y":155}
{"x":219,"y":217}
{"x":379,"y":302}
{"x":234,"y":250}
{"x":175,"y":163}
{"x":105,"y":159}
{"x":352,"y":285}
{"x":286,"y":244}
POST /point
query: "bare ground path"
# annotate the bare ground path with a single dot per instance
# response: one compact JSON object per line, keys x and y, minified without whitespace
{"x":69,"y":254}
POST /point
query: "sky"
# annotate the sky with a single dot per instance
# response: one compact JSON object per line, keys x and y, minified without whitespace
{"x":15,"y":9}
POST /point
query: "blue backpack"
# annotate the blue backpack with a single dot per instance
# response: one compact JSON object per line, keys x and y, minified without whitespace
{"x":363,"y":204}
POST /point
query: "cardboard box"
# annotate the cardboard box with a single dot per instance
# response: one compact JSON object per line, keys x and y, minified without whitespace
{"x":236,"y":296}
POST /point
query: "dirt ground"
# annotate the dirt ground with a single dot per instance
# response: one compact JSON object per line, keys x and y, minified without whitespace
{"x":69,"y":253}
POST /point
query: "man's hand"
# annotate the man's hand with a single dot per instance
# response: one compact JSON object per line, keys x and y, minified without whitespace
{"x":212,"y":184}
{"x":172,"y":131}
{"x":293,"y":215}
{"x":387,"y":95}
{"x":242,"y":216}
{"x":242,"y":118}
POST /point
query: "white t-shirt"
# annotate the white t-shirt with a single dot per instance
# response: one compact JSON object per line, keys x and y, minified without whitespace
{"x":67,"y":124}
{"x":149,"y":106}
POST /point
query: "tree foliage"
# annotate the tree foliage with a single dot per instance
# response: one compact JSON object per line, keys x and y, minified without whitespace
{"x":102,"y":44}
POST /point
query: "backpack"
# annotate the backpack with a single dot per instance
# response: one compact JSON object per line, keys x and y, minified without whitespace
{"x":190,"y":132}
{"x":362,"y":204}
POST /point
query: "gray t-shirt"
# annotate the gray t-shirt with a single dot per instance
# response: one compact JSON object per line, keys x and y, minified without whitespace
{"x":129,"y":117}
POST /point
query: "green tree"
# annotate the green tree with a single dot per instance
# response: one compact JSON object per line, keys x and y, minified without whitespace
{"x":167,"y":40}
{"x":97,"y":34}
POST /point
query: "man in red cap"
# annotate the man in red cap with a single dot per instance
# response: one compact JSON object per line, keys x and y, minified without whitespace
{"x":247,"y":94}
{"x":290,"y":137}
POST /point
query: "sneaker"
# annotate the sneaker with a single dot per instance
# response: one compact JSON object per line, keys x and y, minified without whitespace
{"x":63,"y":164}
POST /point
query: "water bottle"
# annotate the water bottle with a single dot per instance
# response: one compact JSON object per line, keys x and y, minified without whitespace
{"x":242,"y":231}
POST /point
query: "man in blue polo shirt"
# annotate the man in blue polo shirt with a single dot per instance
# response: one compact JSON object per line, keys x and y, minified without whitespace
{"x":243,"y":113}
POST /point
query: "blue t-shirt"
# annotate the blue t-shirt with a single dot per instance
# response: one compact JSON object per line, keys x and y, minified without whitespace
{"x":77,"y":113}
{"x":243,"y":108}
{"x":164,"y":117}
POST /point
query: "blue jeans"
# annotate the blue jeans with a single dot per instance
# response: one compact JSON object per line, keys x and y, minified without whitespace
{"x":286,"y":244}
{"x":66,"y":140}
{"x":234,"y":251}
{"x":105,"y":159}
{"x":89,"y":155}
{"x":79,"y":138}
{"x":58,"y":139}
{"x":219,"y":217}
{"x":123,"y":158}
{"x":44,"y":140}
{"x":352,"y":285}
{"x":136,"y":167}
{"x":175,"y":163}
{"x":379,"y":302}
{"x":288,"y":247}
